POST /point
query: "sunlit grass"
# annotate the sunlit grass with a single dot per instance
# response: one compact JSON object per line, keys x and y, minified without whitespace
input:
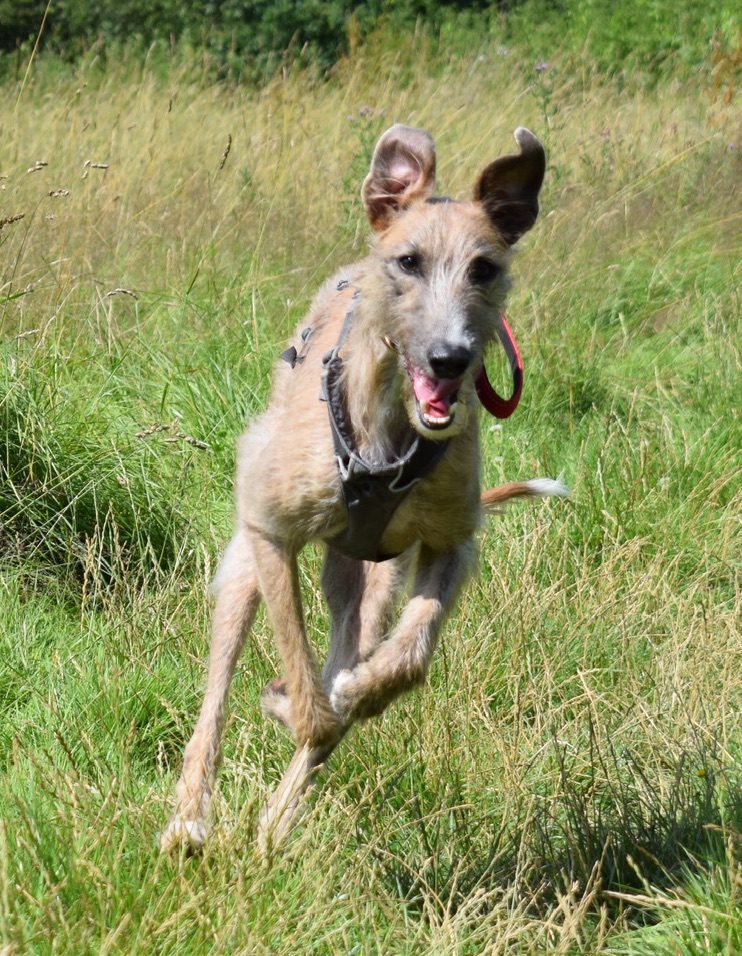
{"x":572,"y":771}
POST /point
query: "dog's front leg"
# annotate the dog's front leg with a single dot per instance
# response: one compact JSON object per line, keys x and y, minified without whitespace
{"x":402,"y":662}
{"x":361,"y":596}
{"x":314,"y":721}
{"x":278,"y":816}
{"x":315,"y":725}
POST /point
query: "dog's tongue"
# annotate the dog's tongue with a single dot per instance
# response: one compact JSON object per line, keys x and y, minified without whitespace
{"x":435,"y":392}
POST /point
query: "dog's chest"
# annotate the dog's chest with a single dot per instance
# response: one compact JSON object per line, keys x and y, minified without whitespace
{"x":442,"y":511}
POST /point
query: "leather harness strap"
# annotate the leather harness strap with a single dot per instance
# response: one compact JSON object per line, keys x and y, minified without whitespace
{"x":372,"y":492}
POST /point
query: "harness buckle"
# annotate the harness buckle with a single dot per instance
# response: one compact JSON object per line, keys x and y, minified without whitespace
{"x":348,"y":472}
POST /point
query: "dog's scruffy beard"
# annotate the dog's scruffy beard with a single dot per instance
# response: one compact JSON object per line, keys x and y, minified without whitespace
{"x":436,"y":408}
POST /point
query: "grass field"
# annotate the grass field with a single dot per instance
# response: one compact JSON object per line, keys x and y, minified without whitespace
{"x":569,"y":782}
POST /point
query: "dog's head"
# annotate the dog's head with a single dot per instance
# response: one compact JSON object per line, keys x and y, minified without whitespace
{"x":441,"y":266}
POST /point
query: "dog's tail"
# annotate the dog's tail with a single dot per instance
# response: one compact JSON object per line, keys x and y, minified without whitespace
{"x":493,"y":499}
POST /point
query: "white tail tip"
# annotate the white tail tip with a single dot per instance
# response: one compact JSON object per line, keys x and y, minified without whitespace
{"x":548,"y":488}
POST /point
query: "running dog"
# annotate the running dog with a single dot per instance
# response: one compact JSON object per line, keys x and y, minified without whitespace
{"x":369,"y":444}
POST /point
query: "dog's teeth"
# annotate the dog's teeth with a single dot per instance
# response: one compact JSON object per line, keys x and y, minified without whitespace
{"x":435,"y":419}
{"x":431,"y":419}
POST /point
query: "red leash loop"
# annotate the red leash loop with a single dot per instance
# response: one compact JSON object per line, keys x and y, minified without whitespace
{"x":495,"y":404}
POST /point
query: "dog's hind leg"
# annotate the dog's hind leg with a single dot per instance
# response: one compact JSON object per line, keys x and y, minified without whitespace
{"x":361,"y":597}
{"x":343,"y":582}
{"x":402,"y":662}
{"x":385,"y":582}
{"x":279,"y":813}
{"x":236,"y":602}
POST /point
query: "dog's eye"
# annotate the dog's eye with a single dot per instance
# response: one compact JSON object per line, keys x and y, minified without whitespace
{"x":483,"y":271}
{"x":410,"y":264}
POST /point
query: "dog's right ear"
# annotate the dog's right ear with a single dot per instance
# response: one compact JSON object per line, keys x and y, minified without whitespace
{"x":402,"y":170}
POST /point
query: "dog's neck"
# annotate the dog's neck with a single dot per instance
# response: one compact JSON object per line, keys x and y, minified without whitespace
{"x":373,"y":381}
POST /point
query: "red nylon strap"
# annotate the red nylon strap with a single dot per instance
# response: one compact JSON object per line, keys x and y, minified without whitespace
{"x":495,"y":404}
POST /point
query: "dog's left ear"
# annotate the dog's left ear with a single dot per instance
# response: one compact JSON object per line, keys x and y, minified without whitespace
{"x":402,"y":170}
{"x":508,"y":188}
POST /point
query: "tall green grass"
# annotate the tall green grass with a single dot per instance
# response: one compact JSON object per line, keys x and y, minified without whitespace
{"x":569,"y":781}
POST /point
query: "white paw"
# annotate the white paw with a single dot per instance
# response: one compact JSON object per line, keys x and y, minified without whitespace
{"x":183,"y":833}
{"x":340,"y":695}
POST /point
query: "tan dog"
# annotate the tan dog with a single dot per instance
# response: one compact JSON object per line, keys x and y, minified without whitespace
{"x":385,"y":469}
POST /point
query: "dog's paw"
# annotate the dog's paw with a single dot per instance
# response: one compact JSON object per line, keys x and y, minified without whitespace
{"x":187,"y":834}
{"x":276,"y":703}
{"x":341,"y":694}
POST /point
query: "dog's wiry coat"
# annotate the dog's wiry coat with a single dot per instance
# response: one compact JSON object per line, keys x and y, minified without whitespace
{"x":427,"y":303}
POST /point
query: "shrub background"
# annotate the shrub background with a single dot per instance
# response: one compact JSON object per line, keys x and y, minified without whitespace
{"x":247,"y":39}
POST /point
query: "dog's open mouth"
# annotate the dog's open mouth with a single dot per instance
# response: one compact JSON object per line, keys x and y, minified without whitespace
{"x":435,"y":398}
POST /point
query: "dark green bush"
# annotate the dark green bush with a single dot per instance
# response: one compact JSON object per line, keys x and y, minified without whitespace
{"x":644,"y":33}
{"x":252,"y":30}
{"x":248,"y":38}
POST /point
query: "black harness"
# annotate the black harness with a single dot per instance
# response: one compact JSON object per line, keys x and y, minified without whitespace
{"x":372,"y":492}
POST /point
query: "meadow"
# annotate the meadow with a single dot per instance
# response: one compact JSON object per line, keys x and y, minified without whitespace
{"x":569,"y":782}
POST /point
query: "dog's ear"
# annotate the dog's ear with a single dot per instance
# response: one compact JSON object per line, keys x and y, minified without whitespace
{"x":508,"y":188}
{"x":402,"y":170}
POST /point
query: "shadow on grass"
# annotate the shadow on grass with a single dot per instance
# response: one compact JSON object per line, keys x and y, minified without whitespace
{"x":610,"y":824}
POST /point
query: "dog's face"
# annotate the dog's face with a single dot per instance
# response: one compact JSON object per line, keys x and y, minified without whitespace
{"x":446,"y":276}
{"x":443,"y":267}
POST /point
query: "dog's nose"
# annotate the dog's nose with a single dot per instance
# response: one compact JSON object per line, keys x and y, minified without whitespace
{"x":448,"y":361}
